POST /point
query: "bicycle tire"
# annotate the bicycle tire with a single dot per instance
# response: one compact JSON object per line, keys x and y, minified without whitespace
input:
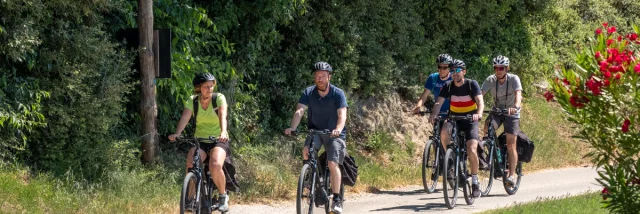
{"x":194,"y":205}
{"x":513,"y":189}
{"x":466,"y":187}
{"x":447,"y":184}
{"x":428,"y":182}
{"x":485,"y":189}
{"x":300,"y":202}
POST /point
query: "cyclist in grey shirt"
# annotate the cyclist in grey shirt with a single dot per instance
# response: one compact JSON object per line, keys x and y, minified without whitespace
{"x":506,"y":90}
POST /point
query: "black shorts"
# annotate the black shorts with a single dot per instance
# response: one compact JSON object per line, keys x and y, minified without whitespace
{"x":207,"y":147}
{"x":511,"y":124}
{"x":469,"y":128}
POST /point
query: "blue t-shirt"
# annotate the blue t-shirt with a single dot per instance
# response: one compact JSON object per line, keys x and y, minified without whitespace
{"x":323,"y":111}
{"x":434,"y":84}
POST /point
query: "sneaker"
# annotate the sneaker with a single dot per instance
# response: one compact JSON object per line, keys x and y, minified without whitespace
{"x":336,"y":207}
{"x":223,"y":202}
{"x":475,"y":187}
{"x":510,"y":181}
{"x":321,"y":197}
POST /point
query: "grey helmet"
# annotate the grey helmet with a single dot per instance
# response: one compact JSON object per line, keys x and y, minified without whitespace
{"x":456,"y":63}
{"x":201,"y":78}
{"x":322,"y":66}
{"x":501,"y":61}
{"x":444,"y":59}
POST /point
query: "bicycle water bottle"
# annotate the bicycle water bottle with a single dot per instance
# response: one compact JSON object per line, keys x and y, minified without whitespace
{"x":498,"y":155}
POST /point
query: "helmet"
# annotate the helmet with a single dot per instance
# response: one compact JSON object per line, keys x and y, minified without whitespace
{"x":202,"y":77}
{"x":456,"y":63}
{"x":322,"y":66}
{"x":444,"y":59}
{"x":501,"y":60}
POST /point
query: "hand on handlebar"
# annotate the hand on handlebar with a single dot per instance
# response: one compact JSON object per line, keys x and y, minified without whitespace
{"x":336,"y":133}
{"x":173,"y":137}
{"x":476,"y":117}
{"x":513,"y":111}
{"x":288,"y":131}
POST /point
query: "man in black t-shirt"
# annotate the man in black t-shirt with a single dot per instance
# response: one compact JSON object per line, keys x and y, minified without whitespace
{"x":465,"y":98}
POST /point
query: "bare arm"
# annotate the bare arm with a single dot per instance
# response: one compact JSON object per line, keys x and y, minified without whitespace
{"x":436,"y":108}
{"x":342,"y":119}
{"x":222,"y":117}
{"x":184,"y":119}
{"x":480,"y":103}
{"x":518,"y":99}
{"x":297,"y":116}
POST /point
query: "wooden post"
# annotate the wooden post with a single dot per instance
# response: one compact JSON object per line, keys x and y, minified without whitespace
{"x":147,"y":75}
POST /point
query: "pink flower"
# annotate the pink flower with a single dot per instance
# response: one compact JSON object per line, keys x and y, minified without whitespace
{"x":598,"y":31}
{"x":604,"y":65}
{"x":548,"y":95}
{"x":611,"y":30}
{"x":619,"y":38}
{"x":565,"y":81}
{"x":605,"y":24}
{"x":598,"y":55}
{"x":625,"y":125}
{"x":609,"y":42}
{"x":632,"y":36}
{"x":605,"y":193}
{"x":618,"y":76}
{"x":637,"y":68}
{"x":607,"y":83}
{"x":607,"y":74}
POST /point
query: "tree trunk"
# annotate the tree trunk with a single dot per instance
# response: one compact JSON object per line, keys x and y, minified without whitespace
{"x":147,"y":75}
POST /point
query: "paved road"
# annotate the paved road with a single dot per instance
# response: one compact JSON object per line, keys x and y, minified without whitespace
{"x":550,"y":183}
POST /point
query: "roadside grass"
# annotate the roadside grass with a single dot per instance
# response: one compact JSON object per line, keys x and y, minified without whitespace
{"x":590,"y":203}
{"x":267,"y":171}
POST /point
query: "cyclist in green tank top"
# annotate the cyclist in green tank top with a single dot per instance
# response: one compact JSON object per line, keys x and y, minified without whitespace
{"x":210,"y":121}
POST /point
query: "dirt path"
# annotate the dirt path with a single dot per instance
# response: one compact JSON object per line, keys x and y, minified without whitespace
{"x":550,"y":183}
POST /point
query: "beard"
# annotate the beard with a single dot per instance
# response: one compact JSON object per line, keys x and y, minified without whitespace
{"x":322,"y":87}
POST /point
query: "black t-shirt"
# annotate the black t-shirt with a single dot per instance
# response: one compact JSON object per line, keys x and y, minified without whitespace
{"x":462,"y":98}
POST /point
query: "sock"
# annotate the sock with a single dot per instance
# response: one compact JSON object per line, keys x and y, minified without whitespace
{"x":474,"y":179}
{"x":336,"y":196}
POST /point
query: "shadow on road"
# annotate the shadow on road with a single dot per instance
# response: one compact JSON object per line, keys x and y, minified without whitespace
{"x":400,"y":193}
{"x":416,"y":208}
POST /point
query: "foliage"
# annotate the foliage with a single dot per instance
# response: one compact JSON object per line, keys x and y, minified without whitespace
{"x":601,"y":95}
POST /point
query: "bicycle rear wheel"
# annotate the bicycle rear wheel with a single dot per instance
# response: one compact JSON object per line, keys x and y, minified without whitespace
{"x":450,"y":179}
{"x":304,"y":197}
{"x":188,"y":202}
{"x":517,"y":178}
{"x":430,"y":166}
{"x":485,"y":176}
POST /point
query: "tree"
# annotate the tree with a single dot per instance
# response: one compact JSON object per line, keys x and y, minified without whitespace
{"x":147,"y":74}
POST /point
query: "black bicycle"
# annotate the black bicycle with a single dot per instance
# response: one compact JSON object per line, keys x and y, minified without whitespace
{"x":313,"y":179}
{"x":197,"y":189}
{"x":497,"y":154}
{"x":432,"y":157}
{"x":455,"y":165}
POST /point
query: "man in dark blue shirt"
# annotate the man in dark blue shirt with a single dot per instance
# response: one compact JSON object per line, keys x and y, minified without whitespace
{"x":327,"y":106}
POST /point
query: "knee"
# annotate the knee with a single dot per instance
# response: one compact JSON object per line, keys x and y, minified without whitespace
{"x":215,"y":164}
{"x":333,"y":165}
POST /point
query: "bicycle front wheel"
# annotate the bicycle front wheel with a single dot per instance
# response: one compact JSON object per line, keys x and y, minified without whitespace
{"x":485,"y":175}
{"x":450,"y":179}
{"x":188,"y":202}
{"x":304,"y":197}
{"x":430,"y":166}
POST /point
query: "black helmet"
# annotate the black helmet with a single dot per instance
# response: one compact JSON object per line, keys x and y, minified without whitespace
{"x":322,"y":66}
{"x":202,"y":77}
{"x":456,"y":63}
{"x":444,"y":59}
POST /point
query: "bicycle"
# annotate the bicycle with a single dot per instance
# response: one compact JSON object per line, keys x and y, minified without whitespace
{"x":202,"y":201}
{"x":498,"y":156}
{"x":456,"y":155}
{"x":433,"y":146}
{"x":309,"y":175}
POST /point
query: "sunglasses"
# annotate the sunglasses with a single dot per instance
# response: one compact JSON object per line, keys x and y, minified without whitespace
{"x":499,"y":68}
{"x":455,"y":70}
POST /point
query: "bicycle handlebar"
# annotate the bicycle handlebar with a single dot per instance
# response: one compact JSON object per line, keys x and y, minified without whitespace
{"x":313,"y":132}
{"x":193,"y":140}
